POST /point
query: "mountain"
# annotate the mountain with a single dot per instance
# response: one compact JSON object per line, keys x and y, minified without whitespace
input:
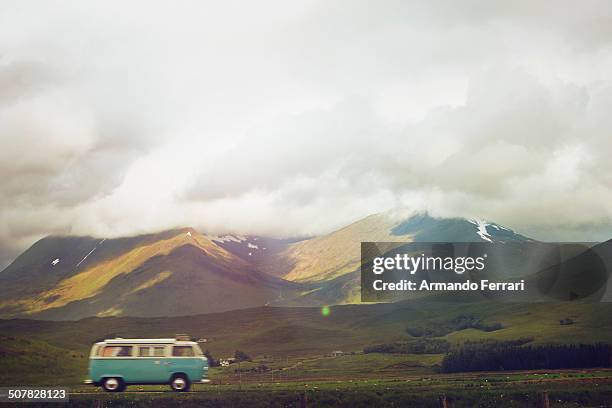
{"x":55,"y":258}
{"x":425,"y":228}
{"x":176,"y":272}
{"x":338,"y":253}
{"x":184,"y":272}
{"x":329,"y":265}
{"x":332,"y":255}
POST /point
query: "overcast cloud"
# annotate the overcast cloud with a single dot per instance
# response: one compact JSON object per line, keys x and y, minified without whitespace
{"x":295,"y":118}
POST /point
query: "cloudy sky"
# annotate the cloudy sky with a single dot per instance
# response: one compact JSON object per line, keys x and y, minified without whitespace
{"x":295,"y":118}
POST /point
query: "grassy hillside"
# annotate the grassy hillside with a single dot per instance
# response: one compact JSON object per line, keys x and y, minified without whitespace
{"x":306,"y":331}
{"x":30,"y":361}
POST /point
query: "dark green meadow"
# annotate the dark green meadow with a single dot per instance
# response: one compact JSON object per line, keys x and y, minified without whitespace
{"x":565,"y":389}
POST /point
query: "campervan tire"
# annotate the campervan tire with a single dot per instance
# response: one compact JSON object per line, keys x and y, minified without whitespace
{"x":180,"y":383}
{"x":113,"y":384}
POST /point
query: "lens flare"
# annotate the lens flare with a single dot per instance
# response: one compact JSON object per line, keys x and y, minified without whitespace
{"x":325,"y":311}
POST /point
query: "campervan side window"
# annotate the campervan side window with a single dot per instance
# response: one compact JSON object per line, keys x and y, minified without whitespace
{"x":182,"y":351}
{"x":151,"y":351}
{"x":117,"y":351}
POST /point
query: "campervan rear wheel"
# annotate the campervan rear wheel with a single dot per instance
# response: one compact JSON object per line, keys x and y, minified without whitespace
{"x":113,"y":384}
{"x":180,"y":383}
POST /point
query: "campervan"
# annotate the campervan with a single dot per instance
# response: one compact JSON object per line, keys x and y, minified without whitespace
{"x":116,"y":363}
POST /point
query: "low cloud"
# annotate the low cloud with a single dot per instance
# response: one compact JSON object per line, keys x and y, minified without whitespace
{"x":517,"y":151}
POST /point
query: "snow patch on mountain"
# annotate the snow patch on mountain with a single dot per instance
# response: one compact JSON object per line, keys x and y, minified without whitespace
{"x":482,"y":229}
{"x":229,"y":238}
{"x":90,"y":252}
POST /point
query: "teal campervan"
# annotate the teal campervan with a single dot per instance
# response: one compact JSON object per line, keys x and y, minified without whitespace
{"x":116,"y":363}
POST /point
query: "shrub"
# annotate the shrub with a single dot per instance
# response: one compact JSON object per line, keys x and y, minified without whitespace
{"x":241,"y":356}
{"x":460,"y":322}
{"x":420,"y":346}
{"x":211,"y":360}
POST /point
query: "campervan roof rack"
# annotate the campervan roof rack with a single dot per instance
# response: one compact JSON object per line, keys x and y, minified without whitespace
{"x":182,"y":337}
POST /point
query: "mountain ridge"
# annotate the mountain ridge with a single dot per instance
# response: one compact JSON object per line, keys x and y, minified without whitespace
{"x":184,"y":254}
{"x":182,"y":271}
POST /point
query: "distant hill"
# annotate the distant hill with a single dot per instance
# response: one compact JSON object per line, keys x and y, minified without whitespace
{"x":306,"y":331}
{"x":579,"y":273}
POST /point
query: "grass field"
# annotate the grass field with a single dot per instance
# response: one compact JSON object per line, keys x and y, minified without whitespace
{"x":353,"y":380}
{"x":291,"y":356}
{"x":592,"y":388}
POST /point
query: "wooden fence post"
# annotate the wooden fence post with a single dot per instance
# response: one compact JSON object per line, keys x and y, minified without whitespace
{"x":442,"y":401}
{"x":543,"y":401}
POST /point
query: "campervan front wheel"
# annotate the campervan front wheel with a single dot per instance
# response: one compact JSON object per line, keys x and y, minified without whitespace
{"x":180,"y":383}
{"x":113,"y":384}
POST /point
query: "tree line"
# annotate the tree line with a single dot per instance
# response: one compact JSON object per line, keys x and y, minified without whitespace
{"x":461,"y":322}
{"x":498,"y":356}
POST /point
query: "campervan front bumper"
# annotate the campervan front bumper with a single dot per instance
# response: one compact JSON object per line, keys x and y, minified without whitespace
{"x":202,"y":381}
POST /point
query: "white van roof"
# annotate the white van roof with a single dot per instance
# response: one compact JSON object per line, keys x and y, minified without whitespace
{"x":145,"y":341}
